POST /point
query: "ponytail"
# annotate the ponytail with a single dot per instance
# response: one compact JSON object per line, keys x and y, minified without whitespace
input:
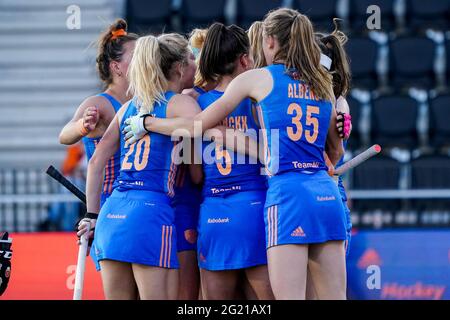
{"x":196,"y":41}
{"x":332,"y":45}
{"x":111,"y":48}
{"x":255,"y":36}
{"x":147,"y":80}
{"x":223,"y":45}
{"x":151,"y":66}
{"x":299,"y":49}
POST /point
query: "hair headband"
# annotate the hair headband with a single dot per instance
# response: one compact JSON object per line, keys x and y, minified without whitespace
{"x":118,"y":33}
{"x":325,"y":61}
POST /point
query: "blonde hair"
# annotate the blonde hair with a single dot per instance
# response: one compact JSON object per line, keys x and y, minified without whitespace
{"x":255,"y":35}
{"x":151,"y":65}
{"x":298,"y":49}
{"x":197,"y":40}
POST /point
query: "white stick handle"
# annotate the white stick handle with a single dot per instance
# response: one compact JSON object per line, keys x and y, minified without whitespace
{"x":81,"y":264}
{"x":369,"y":153}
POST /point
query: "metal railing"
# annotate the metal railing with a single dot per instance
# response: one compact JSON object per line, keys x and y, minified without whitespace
{"x":29,"y":199}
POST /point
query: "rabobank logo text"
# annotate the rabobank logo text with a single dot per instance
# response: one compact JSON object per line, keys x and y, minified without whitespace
{"x":218,"y":220}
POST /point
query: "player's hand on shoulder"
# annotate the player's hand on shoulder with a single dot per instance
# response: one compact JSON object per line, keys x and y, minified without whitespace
{"x":134,"y":129}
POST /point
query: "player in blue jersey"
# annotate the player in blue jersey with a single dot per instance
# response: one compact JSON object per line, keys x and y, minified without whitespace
{"x":334,"y":59}
{"x":135,"y":236}
{"x":187,"y":199}
{"x":304,"y":213}
{"x":234,"y":192}
{"x":332,"y":45}
{"x":93,"y":116}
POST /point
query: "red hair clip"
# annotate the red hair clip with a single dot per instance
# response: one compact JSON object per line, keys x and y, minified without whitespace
{"x":118,"y":33}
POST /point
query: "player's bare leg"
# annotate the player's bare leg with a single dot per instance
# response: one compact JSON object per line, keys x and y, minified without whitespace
{"x":189,"y":276}
{"x":258,"y":278}
{"x":153,"y":282}
{"x":328,"y":273}
{"x":118,"y":280}
{"x":311,"y":293}
{"x":288,"y":271}
{"x":219,"y":285}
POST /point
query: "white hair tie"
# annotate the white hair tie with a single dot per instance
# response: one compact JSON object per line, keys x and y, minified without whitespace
{"x":325,"y":61}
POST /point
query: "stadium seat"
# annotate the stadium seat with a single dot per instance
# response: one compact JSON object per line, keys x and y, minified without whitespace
{"x":358,"y":14}
{"x":249,"y":11}
{"x":430,"y":14}
{"x":447,"y":50}
{"x":201,"y":13}
{"x":393,"y":121}
{"x":149,"y":17}
{"x":439,"y":120}
{"x":363,"y":56}
{"x":321,"y":12}
{"x":355,"y":110}
{"x":412,"y":62}
{"x":379,"y":173}
{"x":431,"y":172}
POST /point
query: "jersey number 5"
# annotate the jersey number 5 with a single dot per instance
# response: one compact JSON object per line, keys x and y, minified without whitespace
{"x":140,"y":162}
{"x":295,"y":133}
{"x":222,"y":153}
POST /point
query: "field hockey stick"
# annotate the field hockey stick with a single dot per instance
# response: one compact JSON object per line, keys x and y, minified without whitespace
{"x":356,"y":161}
{"x":55,"y":174}
{"x":84,"y":239}
{"x":81,"y":264}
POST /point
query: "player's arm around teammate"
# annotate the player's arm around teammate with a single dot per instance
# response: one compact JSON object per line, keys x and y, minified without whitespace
{"x":166,"y":63}
{"x":288,"y":38}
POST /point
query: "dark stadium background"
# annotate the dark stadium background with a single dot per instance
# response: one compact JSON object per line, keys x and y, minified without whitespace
{"x":400,"y":99}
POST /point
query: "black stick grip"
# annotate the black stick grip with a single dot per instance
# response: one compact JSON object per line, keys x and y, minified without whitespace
{"x":55,"y":174}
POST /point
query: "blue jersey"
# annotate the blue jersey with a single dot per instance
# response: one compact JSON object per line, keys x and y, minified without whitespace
{"x":113,"y":166}
{"x":199,"y":90}
{"x":227,"y":172}
{"x":147,"y":164}
{"x":186,"y":192}
{"x":296,"y":123}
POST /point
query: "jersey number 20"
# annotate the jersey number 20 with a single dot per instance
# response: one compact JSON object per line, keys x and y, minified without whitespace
{"x":140,"y":161}
{"x":295,"y":133}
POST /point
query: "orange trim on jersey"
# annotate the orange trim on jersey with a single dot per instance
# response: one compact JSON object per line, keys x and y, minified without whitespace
{"x":166,"y":246}
{"x":272,"y":228}
{"x":162,"y":246}
{"x":170,"y":246}
{"x":270,"y":224}
{"x":111,"y":180}
{"x":105,"y":183}
{"x":276,"y":226}
{"x":266,"y":143}
{"x":171,"y":176}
